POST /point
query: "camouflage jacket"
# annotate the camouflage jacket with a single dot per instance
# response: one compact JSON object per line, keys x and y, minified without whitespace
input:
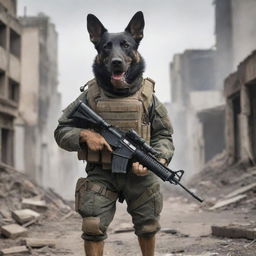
{"x":68,"y":130}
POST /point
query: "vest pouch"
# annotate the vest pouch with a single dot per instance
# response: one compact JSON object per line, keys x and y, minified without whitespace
{"x":125,"y":113}
{"x":93,"y":156}
{"x":82,"y":154}
{"x":80,"y":183}
{"x":105,"y":156}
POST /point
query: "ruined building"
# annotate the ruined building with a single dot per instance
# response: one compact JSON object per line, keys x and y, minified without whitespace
{"x":10,"y":77}
{"x":197,"y":93}
{"x":39,"y":91}
{"x":235,"y":41}
{"x":235,"y":31}
{"x":194,"y":90}
{"x":40,"y":107}
{"x":240,"y":93}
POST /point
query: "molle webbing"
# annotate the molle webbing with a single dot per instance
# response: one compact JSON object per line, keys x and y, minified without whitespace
{"x":123,"y":112}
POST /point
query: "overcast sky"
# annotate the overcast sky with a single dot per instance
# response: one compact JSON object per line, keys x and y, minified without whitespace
{"x":171,"y":27}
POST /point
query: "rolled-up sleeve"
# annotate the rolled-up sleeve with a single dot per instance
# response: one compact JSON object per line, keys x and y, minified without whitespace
{"x":67,"y":133}
{"x":161,"y":131}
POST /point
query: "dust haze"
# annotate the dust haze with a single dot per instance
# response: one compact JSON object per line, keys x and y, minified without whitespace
{"x":171,"y":26}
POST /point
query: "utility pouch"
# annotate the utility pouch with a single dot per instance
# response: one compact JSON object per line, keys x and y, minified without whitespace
{"x":93,"y":156}
{"x":79,"y":184}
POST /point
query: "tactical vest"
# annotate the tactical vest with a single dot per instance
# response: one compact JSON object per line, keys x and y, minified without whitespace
{"x":123,"y":112}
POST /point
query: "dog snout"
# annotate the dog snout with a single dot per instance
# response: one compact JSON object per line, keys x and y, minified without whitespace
{"x":116,"y":62}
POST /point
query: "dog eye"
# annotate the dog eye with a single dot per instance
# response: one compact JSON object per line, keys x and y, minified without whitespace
{"x":125,"y":44}
{"x":107,"y":46}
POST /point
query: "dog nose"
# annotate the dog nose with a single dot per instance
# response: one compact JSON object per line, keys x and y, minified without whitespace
{"x":116,"y":62}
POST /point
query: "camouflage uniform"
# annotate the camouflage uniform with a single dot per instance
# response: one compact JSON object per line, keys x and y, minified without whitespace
{"x":96,"y":195}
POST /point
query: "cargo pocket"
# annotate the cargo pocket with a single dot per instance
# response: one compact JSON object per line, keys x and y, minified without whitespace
{"x":158,"y":203}
{"x":78,"y":193}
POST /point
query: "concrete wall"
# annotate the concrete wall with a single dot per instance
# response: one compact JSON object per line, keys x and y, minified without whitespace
{"x":212,"y":126}
{"x":244,"y":29}
{"x":193,"y":90}
{"x":224,"y":46}
{"x":235,"y":34}
{"x":29,"y":101}
{"x":206,"y":99}
{"x":10,"y":39}
{"x":194,"y":70}
{"x":10,"y":5}
{"x":240,"y":112}
{"x":40,"y":109}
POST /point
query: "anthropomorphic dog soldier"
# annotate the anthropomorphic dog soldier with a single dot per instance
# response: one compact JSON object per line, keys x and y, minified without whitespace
{"x":125,"y":99}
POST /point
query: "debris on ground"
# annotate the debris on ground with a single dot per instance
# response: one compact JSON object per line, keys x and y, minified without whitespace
{"x":39,"y":243}
{"x":25,"y":215}
{"x":14,"y":250}
{"x":234,"y":231}
{"x":124,"y":227}
{"x":186,"y":224}
{"x":226,"y":202}
{"x":34,"y":204}
{"x":13,"y":231}
{"x":242,"y":190}
{"x":24,"y":206}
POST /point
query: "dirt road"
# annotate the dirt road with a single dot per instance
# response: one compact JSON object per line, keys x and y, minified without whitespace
{"x":186,"y":230}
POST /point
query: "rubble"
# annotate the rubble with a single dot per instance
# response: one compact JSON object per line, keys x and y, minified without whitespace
{"x":14,"y":250}
{"x":234,"y":232}
{"x":227,"y":202}
{"x":13,"y":230}
{"x":24,"y":216}
{"x":241,"y":190}
{"x":39,"y":243}
{"x":34,"y":204}
{"x":17,"y":192}
{"x":124,"y":227}
{"x":202,"y":254}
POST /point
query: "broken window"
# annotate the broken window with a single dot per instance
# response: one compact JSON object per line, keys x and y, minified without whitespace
{"x":2,"y":35}
{"x":2,"y":82}
{"x":6,"y":146}
{"x":236,"y":114}
{"x":15,"y":43}
{"x":252,"y":120}
{"x":13,"y":91}
{"x":213,"y":131}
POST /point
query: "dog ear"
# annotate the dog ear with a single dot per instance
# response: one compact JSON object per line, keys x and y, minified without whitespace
{"x":95,"y":28}
{"x":136,"y":26}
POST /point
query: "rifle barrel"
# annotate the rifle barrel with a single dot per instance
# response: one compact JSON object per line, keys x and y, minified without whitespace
{"x":190,"y":192}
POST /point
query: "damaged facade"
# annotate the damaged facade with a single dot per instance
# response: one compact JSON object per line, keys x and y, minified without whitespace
{"x":40,"y":107}
{"x":240,"y":93}
{"x":193,"y":90}
{"x":38,"y":95}
{"x":10,"y":77}
{"x":196,"y":110}
{"x":235,"y":35}
{"x":235,"y":41}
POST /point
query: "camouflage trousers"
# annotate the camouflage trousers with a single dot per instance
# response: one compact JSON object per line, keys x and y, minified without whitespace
{"x":96,"y":198}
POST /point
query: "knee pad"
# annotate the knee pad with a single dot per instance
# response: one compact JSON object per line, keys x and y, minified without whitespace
{"x":91,"y":226}
{"x":148,"y":229}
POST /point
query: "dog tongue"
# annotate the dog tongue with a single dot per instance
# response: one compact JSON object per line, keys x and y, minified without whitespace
{"x":117,"y":77}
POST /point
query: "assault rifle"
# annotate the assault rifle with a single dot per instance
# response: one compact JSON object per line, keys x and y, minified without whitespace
{"x":128,"y":145}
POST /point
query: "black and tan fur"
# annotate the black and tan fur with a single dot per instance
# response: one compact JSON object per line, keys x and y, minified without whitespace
{"x":118,"y":54}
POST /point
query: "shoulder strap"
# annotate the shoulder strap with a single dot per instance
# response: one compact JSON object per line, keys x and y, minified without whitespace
{"x":147,"y":93}
{"x":93,"y":92}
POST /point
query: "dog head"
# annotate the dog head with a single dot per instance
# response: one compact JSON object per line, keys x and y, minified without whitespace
{"x":118,"y":63}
